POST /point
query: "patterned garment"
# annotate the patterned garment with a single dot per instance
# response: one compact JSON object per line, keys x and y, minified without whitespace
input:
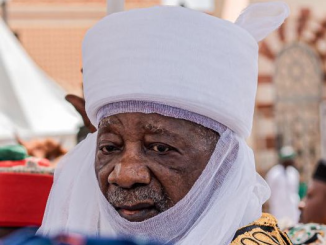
{"x":263,"y":231}
{"x":310,"y":234}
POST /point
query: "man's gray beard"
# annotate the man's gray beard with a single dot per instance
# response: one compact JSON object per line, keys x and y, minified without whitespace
{"x":129,"y":197}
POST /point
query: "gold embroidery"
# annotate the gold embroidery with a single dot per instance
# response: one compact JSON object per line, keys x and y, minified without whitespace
{"x":263,"y":231}
{"x":264,"y":237}
{"x":248,"y":241}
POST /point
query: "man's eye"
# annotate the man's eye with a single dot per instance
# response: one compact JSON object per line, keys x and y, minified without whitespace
{"x":108,"y":149}
{"x":161,"y":148}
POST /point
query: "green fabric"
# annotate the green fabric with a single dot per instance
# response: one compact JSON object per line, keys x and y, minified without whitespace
{"x":304,"y":234}
{"x":287,"y":157}
{"x":303,"y":187}
{"x":12,"y":152}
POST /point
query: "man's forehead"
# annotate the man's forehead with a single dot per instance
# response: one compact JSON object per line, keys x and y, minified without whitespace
{"x":107,"y":121}
{"x":150,"y":121}
{"x":317,"y":187}
{"x":318,"y":184}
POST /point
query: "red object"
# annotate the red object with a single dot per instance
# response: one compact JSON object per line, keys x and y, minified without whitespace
{"x":10,"y":163}
{"x":23,"y":198}
{"x":42,"y":162}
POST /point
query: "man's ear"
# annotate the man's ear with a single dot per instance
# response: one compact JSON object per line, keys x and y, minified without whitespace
{"x":79,"y":104}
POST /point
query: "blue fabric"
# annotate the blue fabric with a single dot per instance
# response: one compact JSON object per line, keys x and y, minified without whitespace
{"x":27,"y":236}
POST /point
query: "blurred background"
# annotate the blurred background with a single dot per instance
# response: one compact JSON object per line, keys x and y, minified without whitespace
{"x":40,"y":62}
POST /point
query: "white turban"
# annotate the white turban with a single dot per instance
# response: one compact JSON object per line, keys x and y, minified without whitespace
{"x":186,"y":60}
{"x":179,"y":57}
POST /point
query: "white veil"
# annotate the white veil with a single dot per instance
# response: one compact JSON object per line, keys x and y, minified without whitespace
{"x":228,"y":194}
{"x":219,"y":85}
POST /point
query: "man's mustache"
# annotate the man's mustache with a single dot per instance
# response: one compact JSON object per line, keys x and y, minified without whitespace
{"x":129,"y":197}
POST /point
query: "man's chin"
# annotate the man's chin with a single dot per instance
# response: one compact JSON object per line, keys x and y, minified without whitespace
{"x":138,"y":215}
{"x":303,"y":220}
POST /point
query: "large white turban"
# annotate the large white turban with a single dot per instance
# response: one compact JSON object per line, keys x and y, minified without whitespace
{"x":187,"y":61}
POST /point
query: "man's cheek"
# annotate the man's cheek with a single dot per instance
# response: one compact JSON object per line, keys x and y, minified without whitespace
{"x":314,"y":209}
{"x":102,"y":177}
{"x":176,"y":191}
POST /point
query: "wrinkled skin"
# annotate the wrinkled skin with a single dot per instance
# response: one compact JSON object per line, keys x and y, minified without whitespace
{"x":313,"y":207}
{"x":146,"y":163}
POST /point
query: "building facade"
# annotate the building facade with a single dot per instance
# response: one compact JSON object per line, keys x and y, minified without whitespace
{"x":291,"y":89}
{"x":52,"y":31}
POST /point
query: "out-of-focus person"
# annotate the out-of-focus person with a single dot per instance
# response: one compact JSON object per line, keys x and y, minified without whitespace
{"x":313,"y":206}
{"x":25,"y":184}
{"x":283,"y":180}
{"x":312,"y":227}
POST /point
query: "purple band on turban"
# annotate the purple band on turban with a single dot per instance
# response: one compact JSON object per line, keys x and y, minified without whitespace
{"x":165,"y":110}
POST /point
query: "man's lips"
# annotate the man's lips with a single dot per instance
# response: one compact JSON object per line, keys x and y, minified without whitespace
{"x":137,"y":212}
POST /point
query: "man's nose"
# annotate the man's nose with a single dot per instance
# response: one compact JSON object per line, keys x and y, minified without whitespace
{"x":302,"y":205}
{"x":130,"y":172}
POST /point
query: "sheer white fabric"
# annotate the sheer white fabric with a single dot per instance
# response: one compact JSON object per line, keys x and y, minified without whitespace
{"x":261,"y":19}
{"x":228,"y":194}
{"x":219,"y":80}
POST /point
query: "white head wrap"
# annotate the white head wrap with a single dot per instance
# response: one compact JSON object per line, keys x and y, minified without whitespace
{"x":180,"y":63}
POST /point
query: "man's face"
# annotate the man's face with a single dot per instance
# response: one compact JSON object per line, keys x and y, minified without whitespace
{"x":313,"y":207}
{"x":146,"y":163}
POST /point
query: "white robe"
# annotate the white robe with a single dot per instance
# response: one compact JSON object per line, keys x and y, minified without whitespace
{"x":284,"y":200}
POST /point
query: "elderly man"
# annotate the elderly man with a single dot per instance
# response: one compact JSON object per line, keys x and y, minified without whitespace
{"x":172,"y":93}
